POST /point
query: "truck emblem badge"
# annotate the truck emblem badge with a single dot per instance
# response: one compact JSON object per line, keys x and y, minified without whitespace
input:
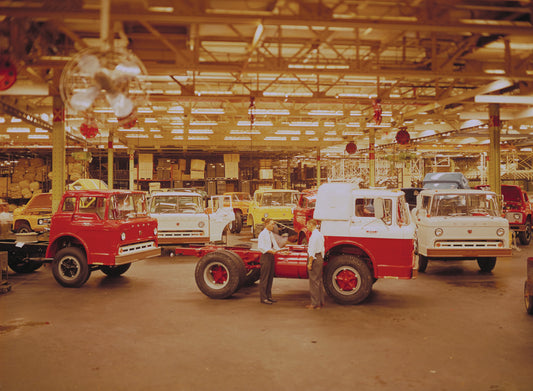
{"x":469,"y":231}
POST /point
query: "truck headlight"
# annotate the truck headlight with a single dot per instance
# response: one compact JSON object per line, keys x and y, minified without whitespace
{"x":155,"y":231}
{"x":500,"y":231}
{"x":438,"y":231}
{"x":266,"y":215}
{"x":123,"y":236}
{"x":517,"y":216}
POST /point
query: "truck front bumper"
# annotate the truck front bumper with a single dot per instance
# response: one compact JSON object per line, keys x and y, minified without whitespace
{"x":137,"y":252}
{"x":469,"y":252}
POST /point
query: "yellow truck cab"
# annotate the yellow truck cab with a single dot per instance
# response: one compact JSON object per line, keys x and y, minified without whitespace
{"x":241,"y":202}
{"x":277,"y":204}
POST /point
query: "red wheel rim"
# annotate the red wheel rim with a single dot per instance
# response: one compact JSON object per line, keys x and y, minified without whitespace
{"x":346,"y":280}
{"x":219,"y":274}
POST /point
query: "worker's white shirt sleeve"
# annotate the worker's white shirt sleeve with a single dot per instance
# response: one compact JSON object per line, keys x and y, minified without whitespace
{"x":316,"y":244}
{"x":266,"y":241}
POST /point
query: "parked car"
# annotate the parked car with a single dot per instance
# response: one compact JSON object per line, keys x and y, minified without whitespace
{"x":241,"y":202}
{"x":276,"y":204}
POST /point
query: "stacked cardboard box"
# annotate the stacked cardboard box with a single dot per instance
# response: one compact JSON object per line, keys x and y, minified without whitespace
{"x":146,"y":166}
{"x":197,"y":169}
{"x":231,"y":165}
{"x":26,"y":180}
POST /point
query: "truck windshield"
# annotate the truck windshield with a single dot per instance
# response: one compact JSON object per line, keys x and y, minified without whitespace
{"x":464,"y":205}
{"x":242,"y":197}
{"x":127,"y":205}
{"x":176,"y":204}
{"x":279,"y":199}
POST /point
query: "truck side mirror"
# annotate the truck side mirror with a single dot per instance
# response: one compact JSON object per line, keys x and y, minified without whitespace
{"x":379,"y":212}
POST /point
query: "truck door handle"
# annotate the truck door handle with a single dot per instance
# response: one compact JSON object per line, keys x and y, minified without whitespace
{"x":371,"y":232}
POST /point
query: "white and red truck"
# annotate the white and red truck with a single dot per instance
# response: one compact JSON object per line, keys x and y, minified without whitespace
{"x":368,"y":235}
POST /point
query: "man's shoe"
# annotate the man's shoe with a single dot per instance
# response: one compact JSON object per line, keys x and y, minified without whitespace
{"x":272,"y":300}
{"x":266,"y":301}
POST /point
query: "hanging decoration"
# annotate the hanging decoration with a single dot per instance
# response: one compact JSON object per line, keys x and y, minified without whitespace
{"x":8,"y":73}
{"x":89,"y":129}
{"x":403,"y":137}
{"x":251,"y":111}
{"x":376,"y":104}
{"x":351,"y":148}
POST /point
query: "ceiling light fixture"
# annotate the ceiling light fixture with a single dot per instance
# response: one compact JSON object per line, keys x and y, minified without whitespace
{"x":512,"y":99}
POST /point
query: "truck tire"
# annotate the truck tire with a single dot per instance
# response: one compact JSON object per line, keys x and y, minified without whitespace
{"x":422,"y":263}
{"x":528,"y":300}
{"x":70,"y":267}
{"x":254,"y":229}
{"x":525,"y":236}
{"x":23,"y":228}
{"x":236,"y":225}
{"x":218,"y":275}
{"x":486,"y":264}
{"x":347,"y":279}
{"x":22,"y":265}
{"x":115,"y":271}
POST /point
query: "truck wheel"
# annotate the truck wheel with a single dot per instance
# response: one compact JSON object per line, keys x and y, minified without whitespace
{"x":347,"y":279}
{"x":238,"y":222}
{"x":486,"y":264}
{"x":525,"y":236}
{"x":528,"y":300}
{"x":254,"y":229}
{"x":70,"y":267}
{"x":422,"y":263}
{"x":218,"y":275}
{"x":23,"y":228}
{"x":23,"y":265}
{"x":115,"y":271}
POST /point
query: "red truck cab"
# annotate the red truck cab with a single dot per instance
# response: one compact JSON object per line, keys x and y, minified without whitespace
{"x":517,"y":210}
{"x":100,"y":229}
{"x":303,"y":213}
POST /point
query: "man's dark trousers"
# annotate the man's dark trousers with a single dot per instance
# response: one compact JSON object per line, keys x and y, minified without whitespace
{"x":266,"y":276}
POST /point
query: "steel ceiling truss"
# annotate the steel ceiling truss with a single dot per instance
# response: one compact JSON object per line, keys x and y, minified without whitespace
{"x":327,"y":57}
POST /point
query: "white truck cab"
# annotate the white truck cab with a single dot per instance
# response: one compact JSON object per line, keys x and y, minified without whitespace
{"x":183,"y":219}
{"x":457,"y":224}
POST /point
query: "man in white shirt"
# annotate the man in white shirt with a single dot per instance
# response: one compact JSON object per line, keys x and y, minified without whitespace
{"x":315,"y":263}
{"x":266,"y":243}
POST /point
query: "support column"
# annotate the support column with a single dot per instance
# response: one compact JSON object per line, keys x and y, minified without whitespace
{"x":110,"y":161}
{"x":288,"y":172}
{"x":58,"y":151}
{"x":318,"y":173}
{"x":131,"y":154}
{"x":372,"y":156}
{"x":494,"y":178}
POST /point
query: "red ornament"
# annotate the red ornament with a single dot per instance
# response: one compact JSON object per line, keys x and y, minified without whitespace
{"x":403,"y":137}
{"x":376,"y":103}
{"x":8,"y":73}
{"x":88,"y":130}
{"x":351,"y":148}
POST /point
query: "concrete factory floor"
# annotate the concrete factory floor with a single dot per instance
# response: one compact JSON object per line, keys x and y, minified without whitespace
{"x":452,"y":328}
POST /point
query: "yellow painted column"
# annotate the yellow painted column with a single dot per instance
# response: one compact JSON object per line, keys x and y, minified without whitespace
{"x":372,"y":156}
{"x":494,"y":176}
{"x":58,"y":151}
{"x":110,"y":160}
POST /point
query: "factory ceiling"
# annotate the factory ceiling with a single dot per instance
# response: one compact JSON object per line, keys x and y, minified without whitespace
{"x":269,"y":77}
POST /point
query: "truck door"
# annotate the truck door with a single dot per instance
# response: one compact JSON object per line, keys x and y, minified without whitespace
{"x":88,"y":222}
{"x":222,"y":215}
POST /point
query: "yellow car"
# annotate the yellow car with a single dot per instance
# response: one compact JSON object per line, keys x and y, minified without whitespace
{"x":275,"y":204}
{"x":241,"y":202}
{"x":35,"y":215}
